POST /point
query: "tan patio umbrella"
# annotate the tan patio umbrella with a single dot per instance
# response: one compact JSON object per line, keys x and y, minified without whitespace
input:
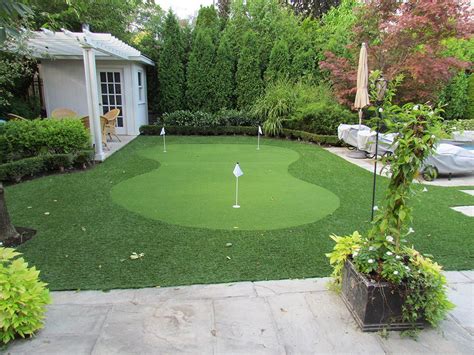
{"x":362,"y":94}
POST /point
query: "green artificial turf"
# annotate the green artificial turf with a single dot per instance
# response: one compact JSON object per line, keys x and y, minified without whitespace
{"x":194,"y":186}
{"x":86,"y":239}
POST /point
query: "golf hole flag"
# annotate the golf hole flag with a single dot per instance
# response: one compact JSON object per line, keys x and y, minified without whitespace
{"x":237,"y":172}
{"x":258,"y":137}
{"x":163,"y":133}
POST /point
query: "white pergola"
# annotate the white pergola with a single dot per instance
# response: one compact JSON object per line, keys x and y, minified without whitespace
{"x":86,"y":46}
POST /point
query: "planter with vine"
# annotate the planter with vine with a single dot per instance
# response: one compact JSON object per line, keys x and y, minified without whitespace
{"x":386,"y":283}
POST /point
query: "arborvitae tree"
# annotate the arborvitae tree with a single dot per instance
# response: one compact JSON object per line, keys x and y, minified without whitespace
{"x":279,"y":65}
{"x":208,"y":20}
{"x":248,"y":77}
{"x":171,"y":69}
{"x":200,"y":80}
{"x":224,"y":75}
{"x":303,"y":63}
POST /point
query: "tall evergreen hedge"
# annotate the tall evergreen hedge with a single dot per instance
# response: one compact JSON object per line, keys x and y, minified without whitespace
{"x":224,"y":75}
{"x":200,"y":81}
{"x":279,"y":66}
{"x":171,"y":68}
{"x":248,"y":77}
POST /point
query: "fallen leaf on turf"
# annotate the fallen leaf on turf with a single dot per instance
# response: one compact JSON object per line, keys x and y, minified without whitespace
{"x":135,"y":256}
{"x":122,"y":260}
{"x":55,"y":200}
{"x":228,"y":244}
{"x":29,"y":207}
{"x":236,"y":227}
{"x":228,"y":257}
{"x":46,"y":213}
{"x":100,"y":266}
{"x":83,"y":229}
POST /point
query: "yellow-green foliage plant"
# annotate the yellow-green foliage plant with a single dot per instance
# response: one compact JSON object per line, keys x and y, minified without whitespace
{"x":23,"y":297}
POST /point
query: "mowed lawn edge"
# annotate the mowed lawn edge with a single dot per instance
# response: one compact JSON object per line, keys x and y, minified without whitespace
{"x":86,"y":239}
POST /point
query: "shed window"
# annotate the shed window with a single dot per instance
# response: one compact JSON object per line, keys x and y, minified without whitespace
{"x":141,"y":94}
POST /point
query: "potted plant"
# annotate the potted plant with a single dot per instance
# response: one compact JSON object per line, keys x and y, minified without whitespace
{"x":386,"y":283}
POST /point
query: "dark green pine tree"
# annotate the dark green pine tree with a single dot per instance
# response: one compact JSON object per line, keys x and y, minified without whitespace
{"x":200,"y":81}
{"x":208,"y":20}
{"x":224,"y":75}
{"x":279,"y":66}
{"x":249,"y":83}
{"x":171,"y":68}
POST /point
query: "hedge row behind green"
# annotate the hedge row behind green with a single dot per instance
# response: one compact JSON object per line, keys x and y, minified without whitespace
{"x":15,"y":171}
{"x":24,"y":139}
{"x":153,"y":130}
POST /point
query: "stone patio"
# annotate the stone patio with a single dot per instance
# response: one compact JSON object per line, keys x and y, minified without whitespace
{"x":265,"y":317}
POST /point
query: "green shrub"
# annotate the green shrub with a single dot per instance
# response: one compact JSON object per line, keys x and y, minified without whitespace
{"x":57,"y":162}
{"x":454,"y":97}
{"x":23,"y":297}
{"x":17,"y":170}
{"x":460,"y":125}
{"x":321,"y":117}
{"x":470,"y":98}
{"x":236,"y":118}
{"x":154,"y":130}
{"x":84,"y":158}
{"x":31,"y":138}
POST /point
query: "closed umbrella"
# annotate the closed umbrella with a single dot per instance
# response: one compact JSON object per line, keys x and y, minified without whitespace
{"x":362,"y":94}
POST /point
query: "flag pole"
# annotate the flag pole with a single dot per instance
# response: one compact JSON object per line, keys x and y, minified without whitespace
{"x":237,"y":192}
{"x":164,"y":143}
{"x":258,"y":141}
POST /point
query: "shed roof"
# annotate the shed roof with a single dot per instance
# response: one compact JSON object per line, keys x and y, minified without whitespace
{"x":69,"y":45}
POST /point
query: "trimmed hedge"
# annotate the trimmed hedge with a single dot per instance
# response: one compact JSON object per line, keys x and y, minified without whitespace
{"x":205,"y":119}
{"x":154,"y":130}
{"x":15,"y":171}
{"x":23,"y":139}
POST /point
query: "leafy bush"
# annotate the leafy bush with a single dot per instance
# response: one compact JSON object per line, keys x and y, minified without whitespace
{"x":460,"y":125}
{"x":17,"y":170}
{"x":23,"y":297}
{"x":454,"y":97}
{"x":58,"y":161}
{"x":236,"y":118}
{"x":31,"y":138}
{"x":470,"y":98}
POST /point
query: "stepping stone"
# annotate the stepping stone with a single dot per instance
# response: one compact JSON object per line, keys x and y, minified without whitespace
{"x":467,"y":210}
{"x":470,"y":192}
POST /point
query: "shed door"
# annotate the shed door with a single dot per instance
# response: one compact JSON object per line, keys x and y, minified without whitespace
{"x":111,"y":95}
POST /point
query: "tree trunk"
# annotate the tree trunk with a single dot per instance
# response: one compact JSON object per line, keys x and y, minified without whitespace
{"x":7,"y":230}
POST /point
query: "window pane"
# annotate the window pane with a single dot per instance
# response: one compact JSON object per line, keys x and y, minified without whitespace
{"x":118,"y":89}
{"x":110,"y":77}
{"x":103,"y":88}
{"x":139,"y":79}
{"x":140,"y":94}
{"x":102,"y":77}
{"x":119,"y":100}
{"x":112,"y":100}
{"x":117,"y":77}
{"x":105,"y":100}
{"x":111,"y":88}
{"x":105,"y":109}
{"x":119,"y":121}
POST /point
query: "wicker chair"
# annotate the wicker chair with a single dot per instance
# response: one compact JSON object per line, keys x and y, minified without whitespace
{"x":61,"y":113}
{"x":110,"y":122}
{"x":13,"y":117}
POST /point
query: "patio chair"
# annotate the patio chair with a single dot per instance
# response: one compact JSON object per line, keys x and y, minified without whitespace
{"x":13,"y":117}
{"x":61,"y":113}
{"x":110,"y":123}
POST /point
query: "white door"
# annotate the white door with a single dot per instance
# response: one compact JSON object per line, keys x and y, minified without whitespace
{"x":111,"y":95}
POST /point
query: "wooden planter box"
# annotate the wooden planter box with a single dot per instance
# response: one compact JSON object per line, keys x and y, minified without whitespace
{"x":374,"y":305}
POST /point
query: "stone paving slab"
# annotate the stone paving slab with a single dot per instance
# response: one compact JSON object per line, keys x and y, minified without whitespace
{"x":265,"y":317}
{"x":466,"y":210}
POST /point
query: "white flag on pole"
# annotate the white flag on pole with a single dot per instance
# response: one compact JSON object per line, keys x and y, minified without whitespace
{"x":162,"y":133}
{"x":260,"y":130}
{"x":237,"y":171}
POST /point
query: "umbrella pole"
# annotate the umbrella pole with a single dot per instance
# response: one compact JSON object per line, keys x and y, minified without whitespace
{"x":375,"y":165}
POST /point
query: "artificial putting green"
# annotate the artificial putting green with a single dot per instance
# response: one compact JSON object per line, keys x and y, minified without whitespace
{"x":194,"y":186}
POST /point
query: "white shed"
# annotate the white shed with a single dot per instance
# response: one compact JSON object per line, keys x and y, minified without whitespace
{"x":92,"y":73}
